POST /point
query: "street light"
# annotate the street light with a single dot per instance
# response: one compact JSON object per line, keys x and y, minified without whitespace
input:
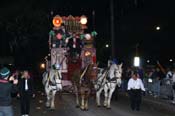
{"x":136,"y":61}
{"x":148,"y":61}
{"x":42,"y":66}
{"x":171,"y":60}
{"x":107,"y":45}
{"x":157,"y":28}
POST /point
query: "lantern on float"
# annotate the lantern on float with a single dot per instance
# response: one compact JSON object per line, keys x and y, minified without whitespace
{"x":87,"y":53}
{"x":57,"y":21}
{"x":83,"y":20}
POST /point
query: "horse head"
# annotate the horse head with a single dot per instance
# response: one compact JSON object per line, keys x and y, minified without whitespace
{"x":116,"y":73}
{"x":92,"y":71}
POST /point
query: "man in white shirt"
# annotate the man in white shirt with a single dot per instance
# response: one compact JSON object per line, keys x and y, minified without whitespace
{"x":135,"y":88}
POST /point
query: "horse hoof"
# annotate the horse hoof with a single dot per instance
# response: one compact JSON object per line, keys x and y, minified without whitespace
{"x":48,"y":107}
{"x":104,"y":106}
{"x":98,"y":106}
{"x":52,"y":109}
{"x":82,"y":109}
{"x":77,"y":106}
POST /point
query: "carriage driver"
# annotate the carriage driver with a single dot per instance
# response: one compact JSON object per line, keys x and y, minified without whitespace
{"x":135,"y":88}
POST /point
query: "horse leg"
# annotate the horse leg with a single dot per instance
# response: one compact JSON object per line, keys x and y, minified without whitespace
{"x":109,"y":97}
{"x":77,"y":97}
{"x":48,"y":97}
{"x":106,"y":95}
{"x":86,"y":99}
{"x":53,"y":100}
{"x":82,"y":99}
{"x":98,"y":94}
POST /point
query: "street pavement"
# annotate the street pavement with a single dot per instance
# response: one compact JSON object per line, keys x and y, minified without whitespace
{"x":65,"y":106}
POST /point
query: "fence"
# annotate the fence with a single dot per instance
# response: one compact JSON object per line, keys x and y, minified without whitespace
{"x":164,"y":87}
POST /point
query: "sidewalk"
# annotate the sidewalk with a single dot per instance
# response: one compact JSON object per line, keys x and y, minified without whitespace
{"x":156,"y":103}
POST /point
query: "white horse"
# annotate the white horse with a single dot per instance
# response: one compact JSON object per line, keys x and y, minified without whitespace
{"x":108,"y":80}
{"x":52,"y":83}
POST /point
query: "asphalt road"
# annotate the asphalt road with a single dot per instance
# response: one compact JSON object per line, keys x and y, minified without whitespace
{"x":65,"y":106}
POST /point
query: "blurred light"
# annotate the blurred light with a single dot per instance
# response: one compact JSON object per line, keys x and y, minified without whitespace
{"x":87,"y":36}
{"x":136,"y":61}
{"x":57,"y":21}
{"x":87,"y":53}
{"x":150,"y":80}
{"x":157,"y":28}
{"x":48,"y":54}
{"x":148,"y":61}
{"x":83,"y":20}
{"x":107,"y":45}
{"x":10,"y":64}
{"x":57,"y":66}
{"x":171,"y":60}
{"x":42,"y":66}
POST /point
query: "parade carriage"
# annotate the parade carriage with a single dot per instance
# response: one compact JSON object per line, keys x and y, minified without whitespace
{"x":70,"y":46}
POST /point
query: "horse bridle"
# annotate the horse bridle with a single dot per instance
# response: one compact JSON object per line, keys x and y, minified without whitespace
{"x":57,"y":77}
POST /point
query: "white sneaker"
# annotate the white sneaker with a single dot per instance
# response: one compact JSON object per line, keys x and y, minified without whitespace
{"x":173,"y":102}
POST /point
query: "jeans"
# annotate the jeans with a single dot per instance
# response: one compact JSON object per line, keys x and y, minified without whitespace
{"x":6,"y":111}
{"x":156,"y":88}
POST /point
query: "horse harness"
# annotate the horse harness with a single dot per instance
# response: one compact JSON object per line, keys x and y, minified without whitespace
{"x":50,"y":82}
{"x":112,"y":80}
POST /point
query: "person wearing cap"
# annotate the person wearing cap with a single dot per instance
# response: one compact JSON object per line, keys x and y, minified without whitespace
{"x":135,"y":88}
{"x":7,"y":86}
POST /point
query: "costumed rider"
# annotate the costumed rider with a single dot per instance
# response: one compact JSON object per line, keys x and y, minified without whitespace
{"x":110,"y":62}
{"x":135,"y":89}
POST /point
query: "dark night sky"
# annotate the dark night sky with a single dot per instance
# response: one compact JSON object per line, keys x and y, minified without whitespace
{"x":24,"y":26}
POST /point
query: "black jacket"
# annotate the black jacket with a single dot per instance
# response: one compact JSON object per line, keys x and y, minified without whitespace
{"x":22,"y":86}
{"x":6,"y":88}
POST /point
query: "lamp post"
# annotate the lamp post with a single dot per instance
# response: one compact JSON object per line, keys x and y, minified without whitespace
{"x":112,"y":28}
{"x":137,"y":58}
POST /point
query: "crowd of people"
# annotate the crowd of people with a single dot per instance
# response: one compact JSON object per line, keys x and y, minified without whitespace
{"x":19,"y":83}
{"x":157,"y":82}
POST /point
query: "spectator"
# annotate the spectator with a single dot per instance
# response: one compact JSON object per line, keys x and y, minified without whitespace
{"x":26,"y":90}
{"x":156,"y":76}
{"x":6,"y":89}
{"x":173,"y":86}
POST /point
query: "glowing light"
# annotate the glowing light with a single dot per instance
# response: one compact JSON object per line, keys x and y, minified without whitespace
{"x":57,"y":66}
{"x":171,"y":60}
{"x":87,"y":36}
{"x":136,"y":61}
{"x":57,"y":21}
{"x":107,"y":45}
{"x":157,"y":28}
{"x":148,"y":61}
{"x":42,"y":66}
{"x":83,"y":20}
{"x":87,"y":53}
